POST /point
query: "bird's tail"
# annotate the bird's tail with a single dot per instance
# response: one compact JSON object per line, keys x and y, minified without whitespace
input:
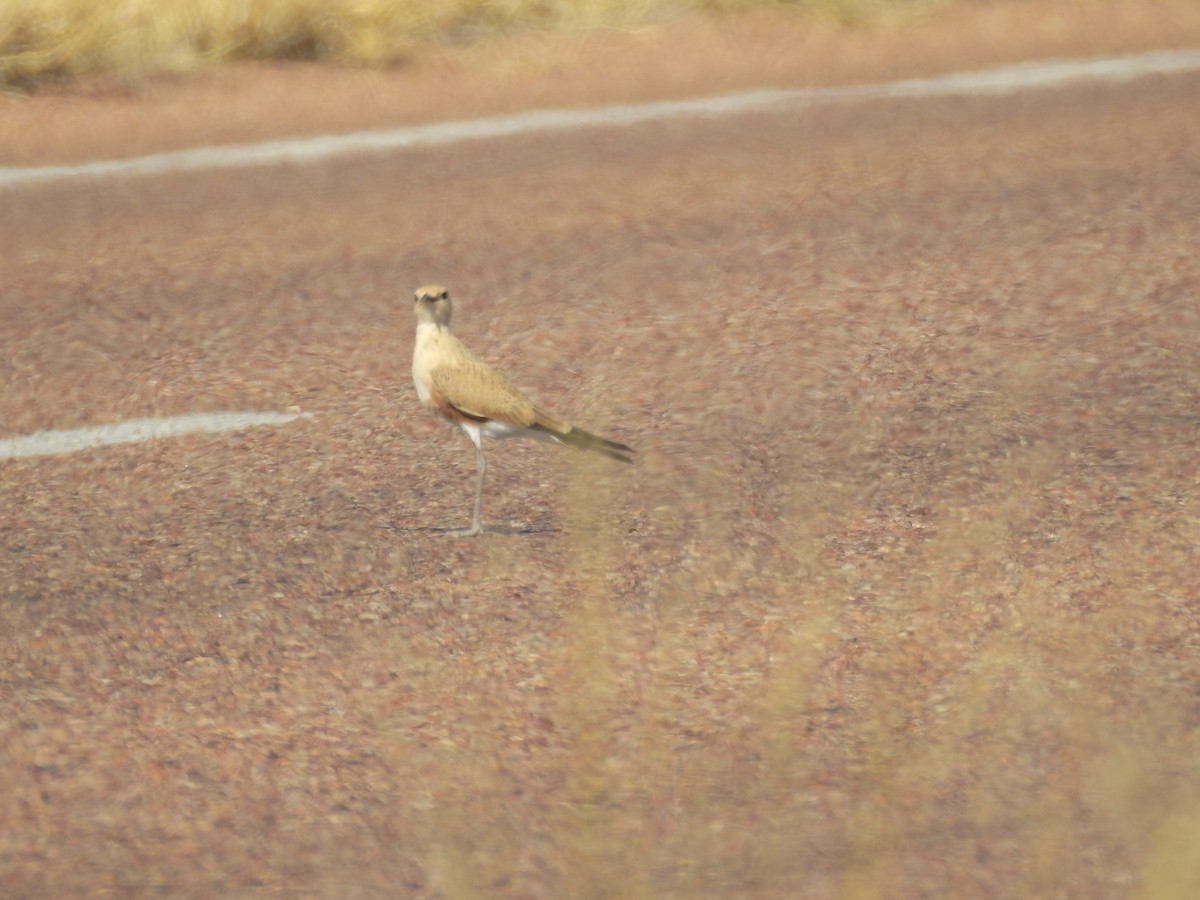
{"x":585,"y":440}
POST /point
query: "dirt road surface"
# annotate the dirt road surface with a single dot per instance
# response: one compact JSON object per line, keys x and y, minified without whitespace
{"x":900,"y":599}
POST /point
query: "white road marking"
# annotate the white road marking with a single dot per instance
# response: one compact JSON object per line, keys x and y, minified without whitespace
{"x":1003,"y":80}
{"x":50,"y":443}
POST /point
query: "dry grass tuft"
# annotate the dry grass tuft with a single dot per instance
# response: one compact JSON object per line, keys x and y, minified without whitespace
{"x":46,"y":40}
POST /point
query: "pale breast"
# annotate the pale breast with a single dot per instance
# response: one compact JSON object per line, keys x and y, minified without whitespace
{"x":423,"y":358}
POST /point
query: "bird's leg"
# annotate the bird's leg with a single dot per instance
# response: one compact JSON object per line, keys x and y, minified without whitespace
{"x":476,"y":523}
{"x":481,"y":464}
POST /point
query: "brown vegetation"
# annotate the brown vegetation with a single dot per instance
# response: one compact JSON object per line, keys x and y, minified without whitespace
{"x":46,"y":40}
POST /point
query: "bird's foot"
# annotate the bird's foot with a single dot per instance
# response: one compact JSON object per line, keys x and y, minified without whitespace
{"x":474,"y":530}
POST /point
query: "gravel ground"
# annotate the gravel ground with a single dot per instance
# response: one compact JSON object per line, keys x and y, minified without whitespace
{"x":899,"y":600}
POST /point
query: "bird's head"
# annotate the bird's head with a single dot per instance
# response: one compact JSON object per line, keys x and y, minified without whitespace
{"x":432,"y":304}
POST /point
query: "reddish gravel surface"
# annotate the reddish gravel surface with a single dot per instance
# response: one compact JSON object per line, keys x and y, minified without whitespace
{"x":899,"y":601}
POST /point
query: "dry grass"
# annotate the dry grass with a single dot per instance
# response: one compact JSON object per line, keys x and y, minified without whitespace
{"x":56,"y":39}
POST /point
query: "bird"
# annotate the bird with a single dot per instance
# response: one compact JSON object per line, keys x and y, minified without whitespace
{"x":464,"y":389}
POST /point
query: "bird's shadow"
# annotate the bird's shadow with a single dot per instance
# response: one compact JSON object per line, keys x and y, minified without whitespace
{"x":532,"y":528}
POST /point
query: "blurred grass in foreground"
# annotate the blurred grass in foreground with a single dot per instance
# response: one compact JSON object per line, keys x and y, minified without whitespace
{"x":49,"y":40}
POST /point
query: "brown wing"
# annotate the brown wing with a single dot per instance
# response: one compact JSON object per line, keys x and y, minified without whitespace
{"x":549,"y":422}
{"x":476,"y":390}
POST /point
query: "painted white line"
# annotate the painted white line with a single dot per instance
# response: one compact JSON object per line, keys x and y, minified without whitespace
{"x":1003,"y":80}
{"x":50,"y":443}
